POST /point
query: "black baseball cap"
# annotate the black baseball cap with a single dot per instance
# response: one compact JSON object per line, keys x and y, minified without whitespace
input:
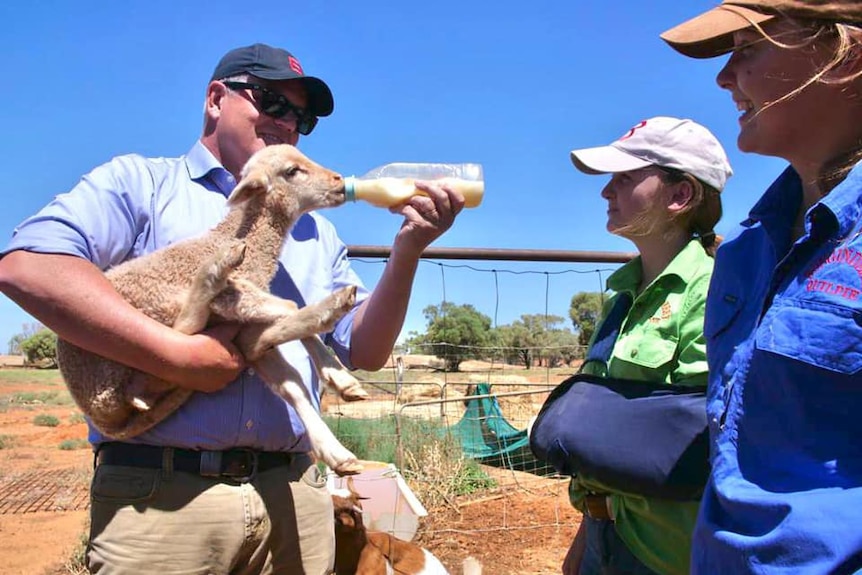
{"x":271,"y":63}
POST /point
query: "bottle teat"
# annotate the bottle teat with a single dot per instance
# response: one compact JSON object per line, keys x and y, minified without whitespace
{"x":350,"y":189}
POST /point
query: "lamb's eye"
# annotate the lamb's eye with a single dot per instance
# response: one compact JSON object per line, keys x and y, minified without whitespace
{"x":290,"y":171}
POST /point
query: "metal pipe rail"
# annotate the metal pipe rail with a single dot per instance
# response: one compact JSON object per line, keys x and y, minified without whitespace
{"x":518,"y":255}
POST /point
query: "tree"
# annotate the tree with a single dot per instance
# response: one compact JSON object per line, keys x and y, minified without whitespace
{"x":585,"y":311}
{"x":15,"y":344}
{"x":41,"y":348}
{"x":529,"y":338}
{"x":27,"y":330}
{"x":456,"y":332}
{"x":563,"y":347}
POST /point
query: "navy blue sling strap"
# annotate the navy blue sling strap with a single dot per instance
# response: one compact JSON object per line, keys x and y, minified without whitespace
{"x":633,"y":436}
{"x":609,"y":330}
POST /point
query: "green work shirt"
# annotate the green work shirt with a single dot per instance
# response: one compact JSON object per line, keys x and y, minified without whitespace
{"x":661,"y":339}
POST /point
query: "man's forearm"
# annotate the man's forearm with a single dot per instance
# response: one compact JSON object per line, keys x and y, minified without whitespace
{"x":74,"y":298}
{"x":381,"y":317}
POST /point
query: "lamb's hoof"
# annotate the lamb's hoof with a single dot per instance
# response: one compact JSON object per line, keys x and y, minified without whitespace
{"x":349,"y":467}
{"x":338,"y":458}
{"x":345,"y":298}
{"x":235,"y":255}
{"x":140,"y":404}
{"x":347,"y":386}
{"x":355,"y":393}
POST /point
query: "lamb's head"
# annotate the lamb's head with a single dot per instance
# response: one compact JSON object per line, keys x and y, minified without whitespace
{"x":290,"y":182}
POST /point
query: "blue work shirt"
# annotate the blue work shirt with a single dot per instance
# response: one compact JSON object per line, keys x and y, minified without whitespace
{"x":132,"y":206}
{"x":784,"y":345}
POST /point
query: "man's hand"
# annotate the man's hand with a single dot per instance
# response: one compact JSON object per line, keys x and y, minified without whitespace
{"x":427,"y":218}
{"x":206,"y":361}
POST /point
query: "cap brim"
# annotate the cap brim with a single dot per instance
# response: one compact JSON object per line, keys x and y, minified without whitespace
{"x":711,"y":33}
{"x":320,"y":98}
{"x":605,"y":160}
{"x":320,"y":101}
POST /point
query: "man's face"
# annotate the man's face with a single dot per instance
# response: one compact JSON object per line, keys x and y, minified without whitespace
{"x":242,"y":128}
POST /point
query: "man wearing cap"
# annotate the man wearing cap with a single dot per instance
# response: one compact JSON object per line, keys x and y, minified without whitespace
{"x":224,"y":485}
{"x":666,"y":175}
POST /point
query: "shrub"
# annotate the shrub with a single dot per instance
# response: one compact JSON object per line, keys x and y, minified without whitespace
{"x":432,"y":460}
{"x":77,"y":417}
{"x":45,"y":420}
{"x":41,"y":348}
{"x":72,"y":444}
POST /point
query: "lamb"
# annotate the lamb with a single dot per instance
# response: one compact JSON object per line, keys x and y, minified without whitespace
{"x":364,"y":552}
{"x":221,"y":276}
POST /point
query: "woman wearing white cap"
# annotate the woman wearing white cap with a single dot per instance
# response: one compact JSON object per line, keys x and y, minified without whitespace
{"x":663,"y":196}
{"x":784,"y":315}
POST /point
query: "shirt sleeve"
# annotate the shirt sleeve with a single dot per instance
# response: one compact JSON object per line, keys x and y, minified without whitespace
{"x":343,"y":275}
{"x":692,"y":367}
{"x":100,"y":219}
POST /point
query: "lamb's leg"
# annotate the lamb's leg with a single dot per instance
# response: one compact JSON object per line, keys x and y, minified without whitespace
{"x":144,"y":390}
{"x":286,"y":382}
{"x":331,"y":372}
{"x":211,"y":279}
{"x":256,"y":339}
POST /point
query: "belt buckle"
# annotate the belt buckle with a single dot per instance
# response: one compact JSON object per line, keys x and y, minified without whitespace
{"x":243,"y":472}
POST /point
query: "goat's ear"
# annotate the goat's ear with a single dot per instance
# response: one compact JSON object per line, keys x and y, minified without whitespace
{"x":251,"y":185}
{"x":353,"y":493}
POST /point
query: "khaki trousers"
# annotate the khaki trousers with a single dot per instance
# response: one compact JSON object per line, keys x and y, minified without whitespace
{"x":164,"y":522}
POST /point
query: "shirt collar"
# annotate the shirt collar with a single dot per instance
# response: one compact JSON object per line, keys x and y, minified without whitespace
{"x":683,"y":266}
{"x":843,"y":203}
{"x":836,"y":214}
{"x":202,"y":165}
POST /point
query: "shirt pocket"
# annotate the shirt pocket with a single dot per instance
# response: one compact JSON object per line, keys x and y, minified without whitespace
{"x":821,"y":334}
{"x":721,"y":312}
{"x":650,"y":351}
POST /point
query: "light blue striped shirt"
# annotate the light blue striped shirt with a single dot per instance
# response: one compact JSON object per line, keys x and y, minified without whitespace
{"x":131,"y":206}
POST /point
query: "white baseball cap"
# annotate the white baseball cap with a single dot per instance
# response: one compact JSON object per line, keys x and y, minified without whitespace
{"x":662,"y":141}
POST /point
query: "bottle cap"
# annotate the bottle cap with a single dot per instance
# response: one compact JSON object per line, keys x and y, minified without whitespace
{"x":350,"y":189}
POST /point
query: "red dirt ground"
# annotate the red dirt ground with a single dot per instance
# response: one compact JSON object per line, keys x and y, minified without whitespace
{"x":522,"y":527}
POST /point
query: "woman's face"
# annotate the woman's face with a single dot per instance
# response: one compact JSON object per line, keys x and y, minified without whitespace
{"x":636,"y":203}
{"x":759,"y":72}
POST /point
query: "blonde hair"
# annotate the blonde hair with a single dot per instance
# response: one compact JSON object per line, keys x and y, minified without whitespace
{"x":849,"y":40}
{"x":698,"y":217}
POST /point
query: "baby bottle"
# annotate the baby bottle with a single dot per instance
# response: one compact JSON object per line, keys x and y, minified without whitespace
{"x":392,"y":184}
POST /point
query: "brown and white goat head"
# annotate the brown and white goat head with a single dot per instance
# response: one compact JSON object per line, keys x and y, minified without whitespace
{"x":359,"y":551}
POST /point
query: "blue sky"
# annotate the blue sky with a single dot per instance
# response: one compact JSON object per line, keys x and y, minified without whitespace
{"x":511,"y":85}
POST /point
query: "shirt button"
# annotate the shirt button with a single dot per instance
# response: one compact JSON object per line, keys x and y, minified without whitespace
{"x":249,"y":424}
{"x":250,"y":372}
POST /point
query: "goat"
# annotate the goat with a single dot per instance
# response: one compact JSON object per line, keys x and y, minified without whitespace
{"x":363,"y":552}
{"x":224,"y":276}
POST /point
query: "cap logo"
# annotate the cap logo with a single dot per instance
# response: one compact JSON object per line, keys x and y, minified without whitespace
{"x":294,"y":65}
{"x":631,"y":132}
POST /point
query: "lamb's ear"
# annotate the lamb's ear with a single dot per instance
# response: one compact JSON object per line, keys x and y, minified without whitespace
{"x":254,"y":183}
{"x":352,"y":488}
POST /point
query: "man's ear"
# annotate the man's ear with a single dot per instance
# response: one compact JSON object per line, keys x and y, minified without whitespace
{"x":216,"y":93}
{"x":680,"y":195}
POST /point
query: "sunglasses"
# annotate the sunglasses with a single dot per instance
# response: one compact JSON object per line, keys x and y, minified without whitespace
{"x":277,"y":106}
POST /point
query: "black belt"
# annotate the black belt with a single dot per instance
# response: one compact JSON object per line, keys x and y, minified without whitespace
{"x":235,"y":464}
